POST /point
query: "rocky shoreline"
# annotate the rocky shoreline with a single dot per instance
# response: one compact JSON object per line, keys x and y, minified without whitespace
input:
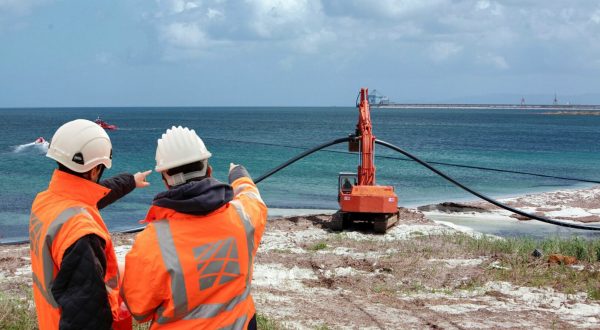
{"x":577,"y":205}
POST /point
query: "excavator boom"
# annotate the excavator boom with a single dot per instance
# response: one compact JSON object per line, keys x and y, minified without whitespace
{"x":366,"y":169}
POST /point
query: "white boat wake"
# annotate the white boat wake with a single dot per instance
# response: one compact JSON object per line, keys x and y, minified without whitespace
{"x":41,"y":147}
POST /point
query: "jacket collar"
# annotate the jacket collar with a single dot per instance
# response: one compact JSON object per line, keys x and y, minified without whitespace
{"x":76,"y":188}
{"x":195,"y":197}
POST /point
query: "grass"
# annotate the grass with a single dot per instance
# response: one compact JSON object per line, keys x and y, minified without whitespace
{"x":383,"y":289}
{"x":512,"y":258}
{"x":515,"y":254}
{"x":318,"y":246}
{"x":512,"y":255}
{"x":15,"y":314}
{"x":264,"y":323}
{"x":584,"y":250}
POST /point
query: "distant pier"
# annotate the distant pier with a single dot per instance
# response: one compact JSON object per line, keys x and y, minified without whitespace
{"x":575,"y":107}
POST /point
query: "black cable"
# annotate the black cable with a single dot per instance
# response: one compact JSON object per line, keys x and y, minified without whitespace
{"x":482,"y":168}
{"x":484,"y":197}
{"x":510,"y":171}
{"x":300,"y":156}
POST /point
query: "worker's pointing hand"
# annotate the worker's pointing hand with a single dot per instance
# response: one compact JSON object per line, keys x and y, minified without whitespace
{"x":140,"y":179}
{"x":232,"y":166}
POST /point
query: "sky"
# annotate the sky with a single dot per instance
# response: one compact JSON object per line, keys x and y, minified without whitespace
{"x":57,"y":53}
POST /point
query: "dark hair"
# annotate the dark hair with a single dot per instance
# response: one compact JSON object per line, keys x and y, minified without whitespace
{"x":84,"y":175}
{"x":65,"y":169}
{"x":187,"y":168}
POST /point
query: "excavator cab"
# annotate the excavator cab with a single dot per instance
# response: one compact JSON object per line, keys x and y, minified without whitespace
{"x":346,"y":181}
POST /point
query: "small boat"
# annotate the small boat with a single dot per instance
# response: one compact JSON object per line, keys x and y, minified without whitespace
{"x":105,"y":125}
{"x":40,"y":140}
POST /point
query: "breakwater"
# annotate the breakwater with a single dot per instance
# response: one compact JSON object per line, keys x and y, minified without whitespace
{"x":574,"y":107}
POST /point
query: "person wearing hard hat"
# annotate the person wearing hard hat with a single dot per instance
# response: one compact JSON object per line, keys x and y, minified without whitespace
{"x":191,"y":267}
{"x":76,"y":279}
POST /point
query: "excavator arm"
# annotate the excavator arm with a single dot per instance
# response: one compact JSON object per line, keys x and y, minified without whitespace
{"x":364,"y":128}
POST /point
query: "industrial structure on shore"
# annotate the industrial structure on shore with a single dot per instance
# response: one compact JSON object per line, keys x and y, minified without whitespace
{"x":378,"y":100}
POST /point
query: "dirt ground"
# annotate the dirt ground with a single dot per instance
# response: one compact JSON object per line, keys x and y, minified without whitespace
{"x":308,"y":277}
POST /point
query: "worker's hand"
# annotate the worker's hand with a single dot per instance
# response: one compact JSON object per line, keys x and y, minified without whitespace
{"x":140,"y":179}
{"x":232,"y":166}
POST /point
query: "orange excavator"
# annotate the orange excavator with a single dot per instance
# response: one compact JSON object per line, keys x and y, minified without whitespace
{"x":360,"y":198}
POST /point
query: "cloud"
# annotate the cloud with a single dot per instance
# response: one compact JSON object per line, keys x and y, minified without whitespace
{"x":276,"y":19}
{"x":442,"y":51}
{"x":312,"y":43}
{"x":453,"y":32}
{"x":12,"y":12}
{"x":19,"y":7}
{"x":184,"y":35}
{"x":173,"y":7}
{"x":595,"y":17}
{"x":197,"y":28}
{"x":383,"y":9}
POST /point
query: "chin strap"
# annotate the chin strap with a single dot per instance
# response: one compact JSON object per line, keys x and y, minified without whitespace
{"x":100,"y":174}
{"x":181,"y":178}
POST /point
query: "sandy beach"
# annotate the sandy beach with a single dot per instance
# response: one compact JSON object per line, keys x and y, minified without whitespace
{"x":421,"y":274}
{"x":577,"y":205}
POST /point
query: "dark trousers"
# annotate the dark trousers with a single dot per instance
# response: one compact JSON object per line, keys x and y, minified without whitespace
{"x":252,"y":324}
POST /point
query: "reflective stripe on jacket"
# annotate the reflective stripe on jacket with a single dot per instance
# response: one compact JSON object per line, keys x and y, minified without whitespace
{"x":195,"y":271}
{"x":60,"y":216}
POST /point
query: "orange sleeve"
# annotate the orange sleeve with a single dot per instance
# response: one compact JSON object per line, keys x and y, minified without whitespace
{"x":247,"y":193}
{"x":143,"y":287}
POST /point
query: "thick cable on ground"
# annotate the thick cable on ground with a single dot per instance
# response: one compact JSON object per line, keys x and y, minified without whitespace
{"x":482,"y":196}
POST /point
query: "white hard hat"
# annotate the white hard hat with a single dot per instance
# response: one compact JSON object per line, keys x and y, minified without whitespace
{"x":81,"y":145}
{"x":180,"y":146}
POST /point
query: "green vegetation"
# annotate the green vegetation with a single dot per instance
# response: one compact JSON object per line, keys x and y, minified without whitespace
{"x":318,"y":246}
{"x":338,"y":237}
{"x":264,"y":323}
{"x":383,"y":289}
{"x":15,"y":314}
{"x":19,"y":314}
{"x":515,"y":263}
{"x":584,"y":250}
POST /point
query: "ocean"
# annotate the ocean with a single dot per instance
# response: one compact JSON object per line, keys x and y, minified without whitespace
{"x":262,"y":138}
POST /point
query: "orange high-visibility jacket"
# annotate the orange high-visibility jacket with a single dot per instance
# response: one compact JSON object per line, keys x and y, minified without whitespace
{"x":60,"y":216}
{"x":194,"y":272}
